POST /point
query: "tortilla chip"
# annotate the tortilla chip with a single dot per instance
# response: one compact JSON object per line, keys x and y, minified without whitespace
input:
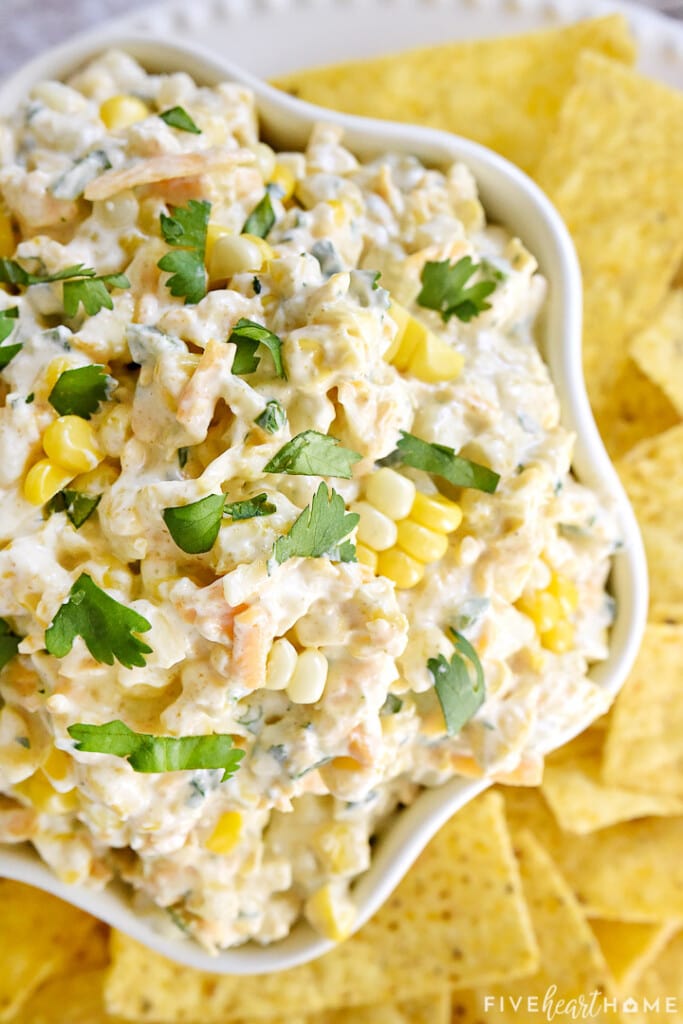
{"x":504,"y":92}
{"x":662,"y":985}
{"x":630,"y":948}
{"x":658,"y":349}
{"x":671,"y":614}
{"x":628,"y":872}
{"x":40,"y":938}
{"x":613,"y":169}
{"x":572,"y":963}
{"x":651,"y":474}
{"x":582,"y":802}
{"x":76,"y":999}
{"x":435,"y":930}
{"x":644,"y":745}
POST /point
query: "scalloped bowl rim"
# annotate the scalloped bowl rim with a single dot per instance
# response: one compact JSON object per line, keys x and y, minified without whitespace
{"x":511,"y":197}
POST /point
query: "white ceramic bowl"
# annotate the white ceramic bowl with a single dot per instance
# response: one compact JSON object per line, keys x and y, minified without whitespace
{"x":512,"y":199}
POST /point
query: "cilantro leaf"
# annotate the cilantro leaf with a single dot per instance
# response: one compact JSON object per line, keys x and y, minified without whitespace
{"x":195,"y":527}
{"x":147,"y":753}
{"x":92,"y":292}
{"x":441,"y":461}
{"x":179,"y":118}
{"x":77,"y":505}
{"x":78,"y":392}
{"x":12,"y":272}
{"x":186,"y":230}
{"x":8,"y":318}
{"x":319,"y":530}
{"x":459,"y":683}
{"x":7,"y":325}
{"x":443,"y":289}
{"x":106,"y":626}
{"x":261,"y":219}
{"x":313,"y":454}
{"x":273,"y":417}
{"x":247,"y":336}
{"x":250,"y":508}
{"x":9,"y":643}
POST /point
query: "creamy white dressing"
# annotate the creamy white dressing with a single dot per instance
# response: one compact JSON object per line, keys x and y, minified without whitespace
{"x":317,"y":779}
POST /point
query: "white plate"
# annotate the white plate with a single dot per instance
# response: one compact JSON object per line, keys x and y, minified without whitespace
{"x":272,"y":37}
{"x":511,"y":198}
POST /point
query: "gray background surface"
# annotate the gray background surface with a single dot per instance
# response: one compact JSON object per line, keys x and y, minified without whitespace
{"x":30,"y":26}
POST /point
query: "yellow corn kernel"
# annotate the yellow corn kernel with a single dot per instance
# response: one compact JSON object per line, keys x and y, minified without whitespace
{"x":214,"y":231}
{"x":307,"y":683}
{"x":411,"y":333}
{"x":122,"y":111}
{"x":7,"y":239}
{"x":346,"y":764}
{"x":421,"y":543}
{"x":560,"y":638}
{"x":565,"y":591}
{"x":331,"y":915}
{"x":227,"y":833}
{"x":58,"y":765}
{"x":375,"y":530}
{"x":284,"y":178}
{"x":265,"y":159}
{"x":434,"y":361}
{"x":366,"y":556}
{"x":266,"y":250}
{"x":235,"y":254}
{"x":336,"y":845}
{"x":41,"y":795}
{"x":53,"y":372}
{"x":71,"y":442}
{"x":396,"y":565}
{"x":281,"y":663}
{"x":543,"y":609}
{"x":436,"y":512}
{"x":44,"y":480}
{"x":391,"y":493}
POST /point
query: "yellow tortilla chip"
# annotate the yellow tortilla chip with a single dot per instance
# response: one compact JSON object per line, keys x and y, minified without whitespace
{"x":659,"y":993}
{"x":40,"y":938}
{"x":572,"y":963}
{"x":669,"y":613}
{"x":582,"y":802}
{"x":434,"y":1009}
{"x":658,"y":349}
{"x":76,"y":999}
{"x":644,"y":745}
{"x":630,"y":948}
{"x":628,"y":872}
{"x":613,"y":169}
{"x":504,"y":92}
{"x":434,"y":930}
{"x":651,"y":474}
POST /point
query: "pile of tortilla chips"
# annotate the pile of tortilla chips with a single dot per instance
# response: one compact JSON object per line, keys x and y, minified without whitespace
{"x":529,"y":905}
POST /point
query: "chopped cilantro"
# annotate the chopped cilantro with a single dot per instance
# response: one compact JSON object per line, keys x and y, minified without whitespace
{"x":77,"y":505}
{"x":459,"y":683}
{"x":195,"y":527}
{"x":185,"y":230}
{"x":247,"y":336}
{"x":177,"y":117}
{"x":261,"y":219}
{"x":9,"y":643}
{"x":320,"y":530}
{"x":107,"y":627}
{"x":78,"y":392}
{"x":273,"y":417}
{"x":443,"y":289}
{"x":182,"y":457}
{"x":92,"y":292}
{"x":441,"y":461}
{"x":8,"y":319}
{"x":146,"y":753}
{"x":313,"y":454}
